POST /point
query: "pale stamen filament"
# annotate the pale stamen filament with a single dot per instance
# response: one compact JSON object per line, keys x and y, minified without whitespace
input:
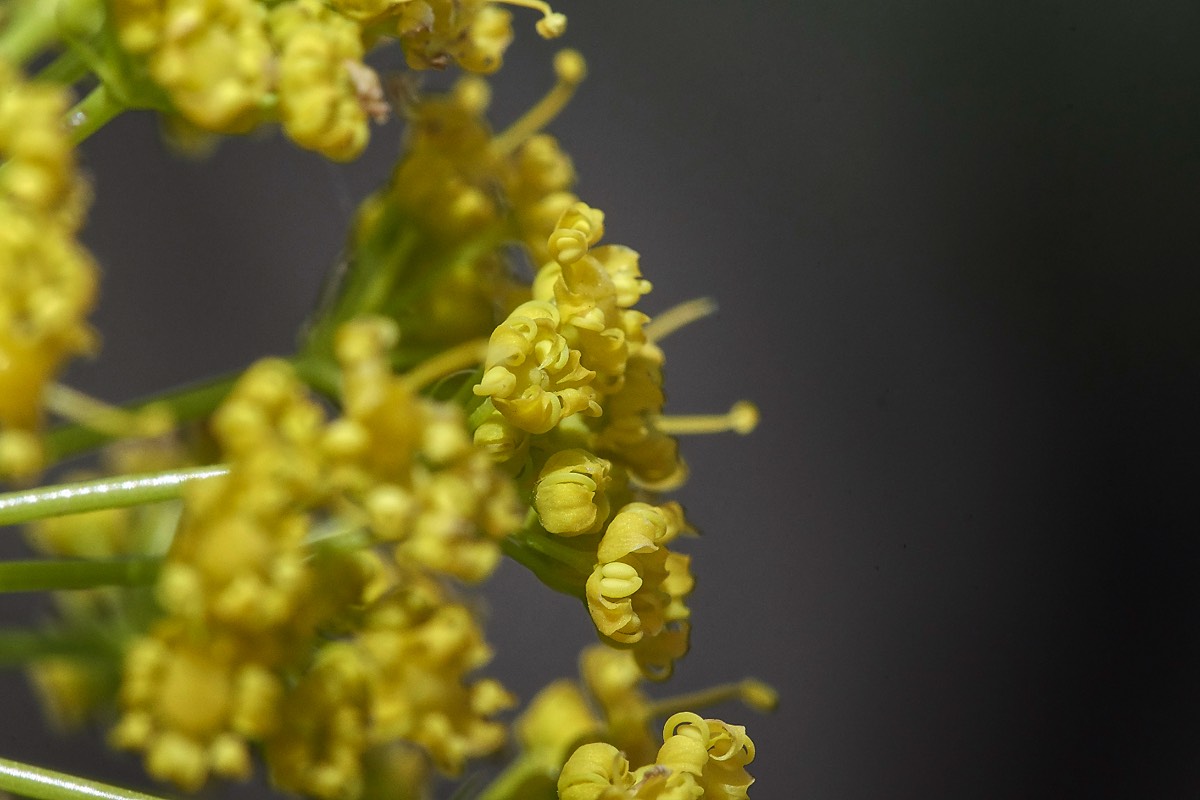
{"x":754,"y":693}
{"x":101,"y":417}
{"x":461,"y":357}
{"x":680,"y":316}
{"x":570,"y":69}
{"x":742,"y":418}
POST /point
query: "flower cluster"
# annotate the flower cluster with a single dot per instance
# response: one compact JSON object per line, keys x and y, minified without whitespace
{"x":318,"y":647}
{"x":47,"y":280}
{"x":583,"y":738}
{"x":572,"y":402}
{"x":276,"y":567}
{"x":225,"y":66}
{"x":699,"y":758}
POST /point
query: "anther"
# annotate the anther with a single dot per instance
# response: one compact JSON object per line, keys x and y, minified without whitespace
{"x":742,"y":418}
{"x":551,"y":25}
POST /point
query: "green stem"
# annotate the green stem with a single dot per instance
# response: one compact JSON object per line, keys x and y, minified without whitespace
{"x":66,"y":68}
{"x":45,"y":784}
{"x":114,"y":492}
{"x":321,"y":375}
{"x":525,"y":778}
{"x":550,"y":572}
{"x":19,"y":647}
{"x":92,"y":113}
{"x":41,"y":576}
{"x":31,"y":29}
{"x":550,"y":546}
{"x":187,"y":403}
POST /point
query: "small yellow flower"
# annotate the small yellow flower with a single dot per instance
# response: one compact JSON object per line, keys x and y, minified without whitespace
{"x":238,"y":559}
{"x":698,"y":758}
{"x":471,"y":33}
{"x":532,"y":375}
{"x":410,"y":464}
{"x":593,"y":289}
{"x":421,"y":648}
{"x":628,"y":435}
{"x":318,"y":747}
{"x":596,"y":771}
{"x":571,"y":493}
{"x":47,"y":280}
{"x":212,"y":57}
{"x":191,"y":704}
{"x":557,"y":719}
{"x":727,"y":751}
{"x":321,"y":78}
{"x":613,"y":678}
{"x":636,"y":592}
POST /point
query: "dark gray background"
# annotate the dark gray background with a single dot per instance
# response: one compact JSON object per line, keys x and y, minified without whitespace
{"x":955,"y":248}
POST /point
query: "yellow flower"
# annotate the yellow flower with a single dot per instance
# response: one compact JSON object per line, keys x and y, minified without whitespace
{"x":238,"y":558}
{"x":613,"y":678}
{"x":47,"y":281}
{"x":212,"y":57}
{"x":39,"y":163}
{"x":595,"y":771}
{"x":411,"y":466}
{"x":318,"y":747}
{"x":698,"y":758}
{"x":636,"y":592}
{"x":593,"y":289}
{"x":322,"y":81}
{"x":557,"y":719}
{"x":421,"y":649}
{"x":628,"y":434}
{"x":472,"y":33}
{"x":191,"y":704}
{"x":727,"y":751}
{"x":571,"y":493}
{"x":600,"y":771}
{"x":532,"y":375}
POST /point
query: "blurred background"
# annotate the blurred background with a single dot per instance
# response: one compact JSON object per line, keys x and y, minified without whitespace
{"x":955,"y":247}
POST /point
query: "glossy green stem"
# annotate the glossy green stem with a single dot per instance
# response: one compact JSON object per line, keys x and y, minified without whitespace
{"x":92,"y":113}
{"x":29,"y":30}
{"x":45,"y":784}
{"x":121,"y":491}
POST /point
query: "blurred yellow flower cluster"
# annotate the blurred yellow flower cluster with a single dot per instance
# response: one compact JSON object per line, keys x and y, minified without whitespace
{"x":47,"y":279}
{"x":228,"y":65}
{"x":251,"y":589}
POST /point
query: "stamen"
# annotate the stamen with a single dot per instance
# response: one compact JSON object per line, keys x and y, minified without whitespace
{"x":101,"y":417}
{"x":570,"y":69}
{"x":742,"y":418}
{"x":676,"y":317}
{"x":551,"y":25}
{"x":465,"y":356}
{"x":755,"y":693}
